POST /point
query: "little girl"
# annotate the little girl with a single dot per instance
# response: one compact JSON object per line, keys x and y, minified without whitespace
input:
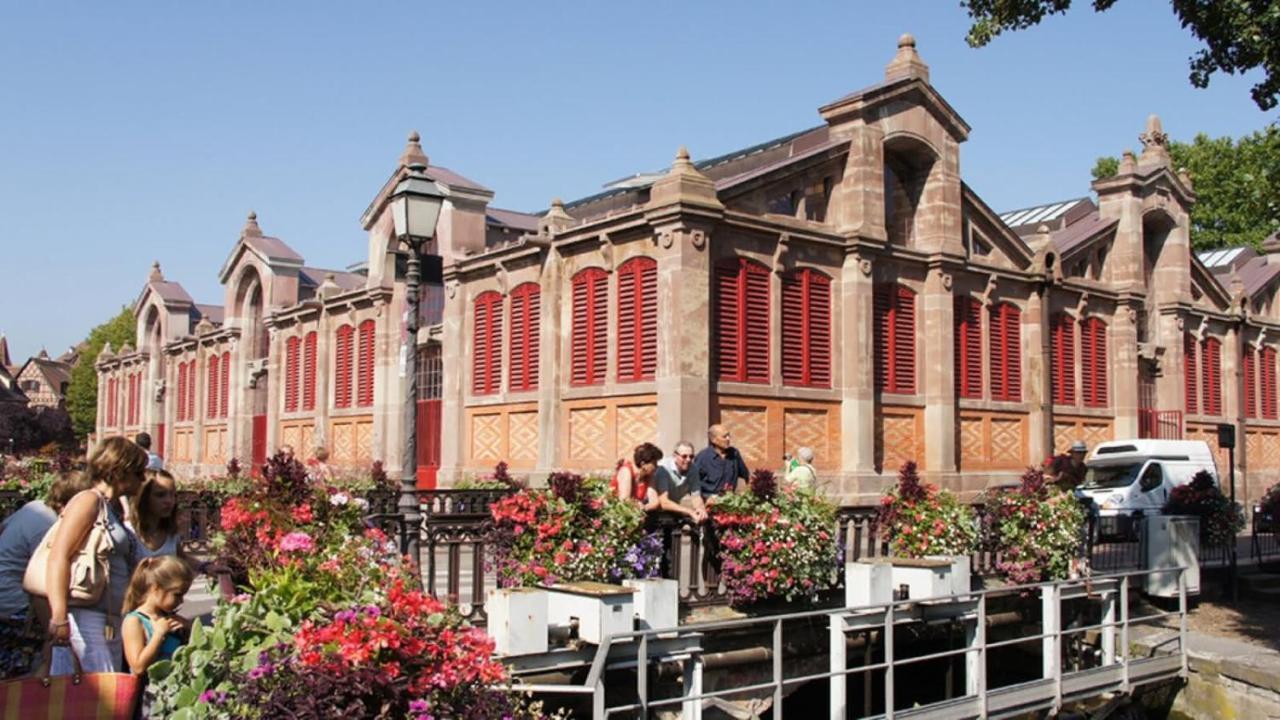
{"x":151,"y":627}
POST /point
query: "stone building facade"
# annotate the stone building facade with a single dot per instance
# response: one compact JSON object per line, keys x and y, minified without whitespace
{"x":841,"y":287}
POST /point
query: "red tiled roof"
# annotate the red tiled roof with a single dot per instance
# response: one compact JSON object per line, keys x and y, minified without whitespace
{"x":271,"y":247}
{"x":212,"y":313}
{"x":344,"y":280}
{"x":1257,"y":274}
{"x":1080,"y":233}
{"x":170,"y":292}
{"x":513,"y":219}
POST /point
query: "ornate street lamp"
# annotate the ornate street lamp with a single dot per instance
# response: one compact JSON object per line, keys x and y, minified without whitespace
{"x":415,"y":207}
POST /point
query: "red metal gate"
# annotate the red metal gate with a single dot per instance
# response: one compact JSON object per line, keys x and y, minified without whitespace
{"x":428,"y":443}
{"x":159,"y":439}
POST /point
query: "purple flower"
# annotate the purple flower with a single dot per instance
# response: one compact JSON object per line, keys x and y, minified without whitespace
{"x":372,"y":610}
{"x":344,"y":615}
{"x":261,"y":671}
{"x":297,"y":541}
{"x":212,"y":696}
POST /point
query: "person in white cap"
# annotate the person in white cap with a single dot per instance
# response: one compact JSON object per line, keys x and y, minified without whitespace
{"x":1067,"y":471}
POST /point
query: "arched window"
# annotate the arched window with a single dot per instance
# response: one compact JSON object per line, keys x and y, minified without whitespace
{"x":1267,"y":378}
{"x":806,"y":328}
{"x":1211,"y":359}
{"x":309,"y":372}
{"x":742,"y":321}
{"x":1190,"y":376}
{"x":895,"y":339}
{"x":486,"y":357}
{"x":111,"y":401}
{"x":364,"y":369}
{"x":132,"y":417}
{"x":344,"y":340}
{"x":292,"y":357}
{"x":182,"y":392}
{"x":968,"y":342}
{"x":590,"y":327}
{"x":1093,"y":362}
{"x":226,"y":383}
{"x":1064,"y":360}
{"x":637,"y":319}
{"x":211,"y":399}
{"x":526,"y":311}
{"x":1250,"y":381}
{"x":1006,"y":352}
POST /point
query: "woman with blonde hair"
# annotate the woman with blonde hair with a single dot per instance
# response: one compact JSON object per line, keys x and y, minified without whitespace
{"x":116,"y":469}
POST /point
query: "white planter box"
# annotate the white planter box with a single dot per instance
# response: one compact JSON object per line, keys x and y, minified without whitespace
{"x":961,"y":573}
{"x":600,"y":609}
{"x":924,"y":578}
{"x":517,"y":620}
{"x":868,"y":583}
{"x":657,"y":603}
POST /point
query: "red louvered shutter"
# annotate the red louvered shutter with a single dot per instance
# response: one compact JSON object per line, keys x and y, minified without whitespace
{"x":882,"y":331}
{"x":526,"y":309}
{"x":309,"y":372}
{"x":904,"y":341}
{"x":342,"y":367}
{"x":1190,"y":375}
{"x":806,"y":329}
{"x":1250,"y":382}
{"x":193,"y":379}
{"x":1212,"y":359}
{"x":182,"y":392}
{"x":637,"y":320}
{"x":590,"y":327}
{"x":130,"y":400}
{"x":1064,"y":360}
{"x":211,"y":402}
{"x":1268,"y":382}
{"x":486,"y":358}
{"x":292,"y":350}
{"x":1093,"y":362}
{"x":1006,"y":352}
{"x":756,"y":329}
{"x":968,"y":350}
{"x":365,"y":370}
{"x":729,"y":322}
{"x":226,"y":383}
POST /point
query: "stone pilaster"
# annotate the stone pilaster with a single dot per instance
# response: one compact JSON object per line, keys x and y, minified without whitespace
{"x":1122,"y":350}
{"x":684,"y":375}
{"x":550,"y":426}
{"x":457,"y":373}
{"x":935,"y":353}
{"x":857,"y":367}
{"x":1036,"y":383}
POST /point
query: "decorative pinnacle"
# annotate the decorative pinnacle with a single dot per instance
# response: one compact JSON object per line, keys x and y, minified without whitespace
{"x":414,"y":136}
{"x":251,"y":228}
{"x":156,"y":275}
{"x":906,"y":40}
{"x":906,"y":63}
{"x":413,"y":155}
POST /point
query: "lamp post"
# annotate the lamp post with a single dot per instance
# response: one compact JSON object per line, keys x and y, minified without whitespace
{"x":415,"y":207}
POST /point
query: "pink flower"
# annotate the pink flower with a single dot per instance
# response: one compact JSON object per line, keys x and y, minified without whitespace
{"x":297,"y":542}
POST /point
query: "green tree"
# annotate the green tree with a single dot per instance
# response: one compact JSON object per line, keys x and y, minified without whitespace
{"x":1239,"y":35}
{"x":1237,"y":185}
{"x":82,"y":391}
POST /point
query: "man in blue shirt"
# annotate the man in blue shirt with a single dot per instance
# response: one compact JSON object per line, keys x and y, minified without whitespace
{"x":719,"y":466}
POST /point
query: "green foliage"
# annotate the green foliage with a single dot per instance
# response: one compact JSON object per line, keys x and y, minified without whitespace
{"x":1237,"y":185}
{"x":920,"y":519}
{"x":1239,"y":35}
{"x":82,"y":391}
{"x":1035,"y":530}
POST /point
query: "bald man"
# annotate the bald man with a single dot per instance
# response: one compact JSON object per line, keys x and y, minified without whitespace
{"x":719,"y":466}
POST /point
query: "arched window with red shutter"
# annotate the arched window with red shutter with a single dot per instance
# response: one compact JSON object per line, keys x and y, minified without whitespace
{"x":292,"y":357}
{"x":1093,"y":362}
{"x":1250,"y":381}
{"x":637,"y":319}
{"x":309,"y":371}
{"x":1267,"y":379}
{"x":1211,"y":359}
{"x":968,"y":348}
{"x":343,"y":357}
{"x":1006,"y":352}
{"x":526,"y":312}
{"x":742,"y":321}
{"x":1064,"y":360}
{"x":226,"y":383}
{"x":486,"y":358}
{"x":182,"y":392}
{"x":132,"y":397}
{"x":1190,"y":375}
{"x":589,"y":348}
{"x":113,"y":395}
{"x":364,"y":368}
{"x":895,"y":339}
{"x":211,"y":388}
{"x":806,"y":328}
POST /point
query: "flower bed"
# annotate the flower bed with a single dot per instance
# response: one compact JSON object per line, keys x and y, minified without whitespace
{"x":919,"y":519}
{"x":1035,"y":530}
{"x":332,"y":623}
{"x":775,"y":543}
{"x":1220,"y":521}
{"x":574,"y":530}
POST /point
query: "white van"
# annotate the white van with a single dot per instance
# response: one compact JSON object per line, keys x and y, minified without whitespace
{"x":1128,"y":477}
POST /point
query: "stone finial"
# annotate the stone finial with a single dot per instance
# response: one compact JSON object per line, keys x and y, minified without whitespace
{"x":684,"y":184}
{"x":1155,"y":145}
{"x":126,"y":349}
{"x":907,"y":63}
{"x":44,"y":354}
{"x":251,"y":228}
{"x":1128,"y":163}
{"x":156,"y":275}
{"x":1184,"y":176}
{"x":413,"y":155}
{"x":105,"y":353}
{"x":556,"y":219}
{"x":204,"y":326}
{"x":328,"y":287}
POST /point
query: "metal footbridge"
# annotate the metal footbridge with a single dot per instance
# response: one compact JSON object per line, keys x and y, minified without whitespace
{"x":1062,"y":678}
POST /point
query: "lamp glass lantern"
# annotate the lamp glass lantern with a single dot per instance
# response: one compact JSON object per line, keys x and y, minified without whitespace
{"x":415,"y":206}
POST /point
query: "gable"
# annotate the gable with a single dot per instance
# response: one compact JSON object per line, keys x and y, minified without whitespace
{"x":986,"y":239}
{"x":1206,"y":292}
{"x":799,"y":186}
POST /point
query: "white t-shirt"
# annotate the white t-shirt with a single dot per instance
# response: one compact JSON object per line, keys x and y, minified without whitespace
{"x":22,"y":534}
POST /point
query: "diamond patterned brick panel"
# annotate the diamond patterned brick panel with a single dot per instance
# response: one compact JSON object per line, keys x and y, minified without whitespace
{"x":1091,"y":431}
{"x":215,"y":445}
{"x":1008,"y":441}
{"x":749,"y":427}
{"x":899,"y":440}
{"x":808,"y":428}
{"x":364,"y":441}
{"x":588,"y":435}
{"x":636,"y":424}
{"x":182,"y":445}
{"x":292,"y":435}
{"x":1269,"y":452}
{"x":522,"y":438}
{"x":1253,"y":441}
{"x":486,"y":437}
{"x":1209,"y":434}
{"x":973,"y":442}
{"x":343,"y":437}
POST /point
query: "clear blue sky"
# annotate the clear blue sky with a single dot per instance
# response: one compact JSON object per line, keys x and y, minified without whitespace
{"x":131,"y":132}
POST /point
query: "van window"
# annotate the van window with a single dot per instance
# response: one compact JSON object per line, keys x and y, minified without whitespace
{"x":1152,"y":478}
{"x":1112,"y":476}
